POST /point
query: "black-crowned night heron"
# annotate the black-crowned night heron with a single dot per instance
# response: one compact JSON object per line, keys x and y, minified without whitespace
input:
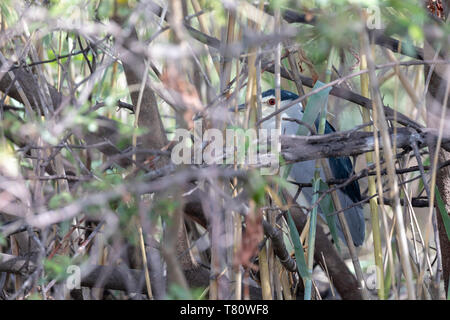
{"x":303,"y":172}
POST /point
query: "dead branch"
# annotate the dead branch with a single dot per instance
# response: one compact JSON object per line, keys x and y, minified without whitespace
{"x":348,"y":143}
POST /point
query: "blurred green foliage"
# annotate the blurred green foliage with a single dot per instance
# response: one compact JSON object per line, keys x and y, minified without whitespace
{"x":56,"y":268}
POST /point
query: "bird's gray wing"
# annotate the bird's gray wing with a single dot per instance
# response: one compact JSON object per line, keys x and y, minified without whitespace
{"x":304,"y":172}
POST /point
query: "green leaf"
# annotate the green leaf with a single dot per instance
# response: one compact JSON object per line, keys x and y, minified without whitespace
{"x":34,"y":296}
{"x":313,"y":107}
{"x":56,"y":267}
{"x":59,"y":200}
{"x":257,"y":187}
{"x":316,"y":103}
{"x":298,"y":248}
{"x":312,"y":110}
{"x":443,"y":211}
{"x":448,"y":290}
{"x":387,"y":276}
{"x":176,"y":292}
{"x":415,"y":32}
{"x":327,"y":207}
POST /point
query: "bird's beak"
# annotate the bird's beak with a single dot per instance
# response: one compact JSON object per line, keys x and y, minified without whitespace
{"x":240,"y":107}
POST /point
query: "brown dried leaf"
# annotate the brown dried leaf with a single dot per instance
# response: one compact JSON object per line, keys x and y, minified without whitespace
{"x":250,"y":239}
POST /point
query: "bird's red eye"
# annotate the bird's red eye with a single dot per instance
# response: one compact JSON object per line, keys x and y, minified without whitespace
{"x":272,"y":101}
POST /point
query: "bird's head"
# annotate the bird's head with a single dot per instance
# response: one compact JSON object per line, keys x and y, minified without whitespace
{"x":268,"y":103}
